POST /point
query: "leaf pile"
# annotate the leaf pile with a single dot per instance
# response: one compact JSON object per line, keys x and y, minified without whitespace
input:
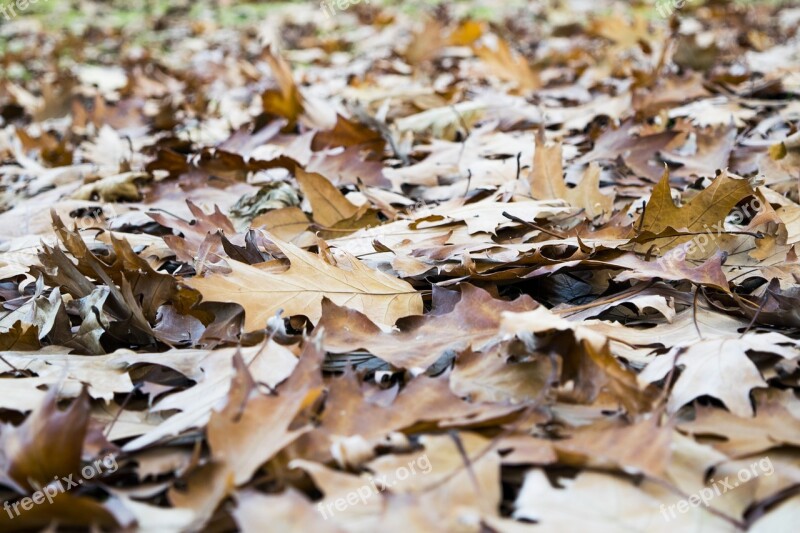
{"x":265,"y":258}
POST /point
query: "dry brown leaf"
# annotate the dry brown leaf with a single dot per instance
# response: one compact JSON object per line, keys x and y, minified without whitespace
{"x":286,"y":101}
{"x":286,"y":511}
{"x":615,"y":345}
{"x":328,"y":205}
{"x":508,"y":66}
{"x":701,"y":213}
{"x":253,"y":427}
{"x":776,"y":423}
{"x":287,"y":223}
{"x":641,"y":447}
{"x":719,"y":368}
{"x":49,"y":443}
{"x":301,"y":289}
{"x":609,"y":504}
{"x":547,"y":181}
{"x":420,"y":341}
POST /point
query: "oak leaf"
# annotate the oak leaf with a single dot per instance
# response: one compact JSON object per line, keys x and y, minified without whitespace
{"x":718,"y":367}
{"x":700,"y":214}
{"x":300,"y":289}
{"x":547,"y":181}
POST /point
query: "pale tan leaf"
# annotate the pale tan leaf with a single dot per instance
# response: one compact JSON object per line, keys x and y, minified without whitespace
{"x":299,"y":290}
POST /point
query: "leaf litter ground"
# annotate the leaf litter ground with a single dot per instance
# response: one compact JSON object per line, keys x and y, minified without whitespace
{"x":463,"y":267}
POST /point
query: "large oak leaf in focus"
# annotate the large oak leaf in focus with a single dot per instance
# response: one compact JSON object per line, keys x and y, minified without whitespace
{"x":300,"y":289}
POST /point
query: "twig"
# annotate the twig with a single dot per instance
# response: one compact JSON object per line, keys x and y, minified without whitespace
{"x":558,"y":235}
